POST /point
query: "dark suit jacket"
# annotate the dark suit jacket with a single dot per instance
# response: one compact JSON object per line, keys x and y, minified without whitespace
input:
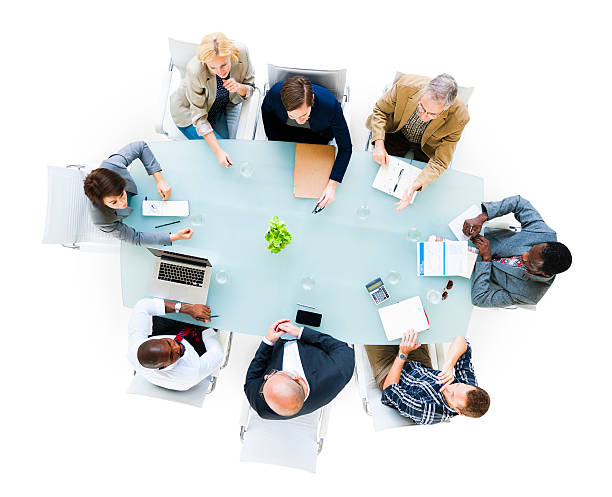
{"x":326,"y":118}
{"x":328,"y":365}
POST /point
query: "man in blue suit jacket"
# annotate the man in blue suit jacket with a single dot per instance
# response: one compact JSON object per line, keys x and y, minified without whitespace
{"x":516,"y":268}
{"x":295,"y":110}
{"x":289,"y":378}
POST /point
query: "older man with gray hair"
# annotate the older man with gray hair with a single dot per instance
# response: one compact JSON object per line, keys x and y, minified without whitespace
{"x":423,"y":115}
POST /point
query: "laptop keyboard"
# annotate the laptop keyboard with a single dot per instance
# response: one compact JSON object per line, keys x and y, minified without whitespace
{"x":181,"y":274}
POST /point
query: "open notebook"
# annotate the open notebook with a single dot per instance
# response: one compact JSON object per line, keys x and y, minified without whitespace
{"x":395,"y":178}
{"x":402,"y":316}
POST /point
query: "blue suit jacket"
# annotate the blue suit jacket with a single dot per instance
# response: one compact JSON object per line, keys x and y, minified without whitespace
{"x":326,"y":118}
{"x":328,"y":366}
{"x":499,"y":285}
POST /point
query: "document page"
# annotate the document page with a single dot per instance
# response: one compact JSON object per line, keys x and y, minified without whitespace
{"x":447,"y":258}
{"x":178,"y":208}
{"x":402,"y":316}
{"x":396,"y":177}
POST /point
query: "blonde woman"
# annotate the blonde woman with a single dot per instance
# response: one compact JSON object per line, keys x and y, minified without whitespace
{"x":218,"y":79}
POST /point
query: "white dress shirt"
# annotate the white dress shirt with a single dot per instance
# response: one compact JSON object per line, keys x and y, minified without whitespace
{"x":188,"y":370}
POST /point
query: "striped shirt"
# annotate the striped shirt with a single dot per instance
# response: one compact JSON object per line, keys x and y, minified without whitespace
{"x":414,"y":128}
{"x":418,"y":397}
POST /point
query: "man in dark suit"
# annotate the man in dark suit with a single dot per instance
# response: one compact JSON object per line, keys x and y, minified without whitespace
{"x":295,"y":110}
{"x":289,"y":378}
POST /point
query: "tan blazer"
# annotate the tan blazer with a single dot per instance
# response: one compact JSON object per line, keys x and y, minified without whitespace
{"x":392,"y":111}
{"x":189,"y":104}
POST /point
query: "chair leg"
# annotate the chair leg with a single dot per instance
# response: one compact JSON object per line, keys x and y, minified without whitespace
{"x":212,"y":385}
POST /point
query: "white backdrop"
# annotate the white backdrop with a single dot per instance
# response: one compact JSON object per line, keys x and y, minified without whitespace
{"x":81,"y":79}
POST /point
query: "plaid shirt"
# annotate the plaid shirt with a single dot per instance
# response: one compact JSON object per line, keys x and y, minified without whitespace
{"x":414,"y":128}
{"x":418,"y":397}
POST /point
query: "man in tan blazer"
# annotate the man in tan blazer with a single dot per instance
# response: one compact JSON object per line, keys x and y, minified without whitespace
{"x":423,"y":115}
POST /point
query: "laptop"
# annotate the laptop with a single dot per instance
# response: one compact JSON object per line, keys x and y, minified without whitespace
{"x":180,"y":277}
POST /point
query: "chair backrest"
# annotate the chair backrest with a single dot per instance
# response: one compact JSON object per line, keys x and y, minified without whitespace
{"x":182,"y":52}
{"x":194,"y":396}
{"x":291,"y":442}
{"x":333,"y":80}
{"x":463,"y":92}
{"x":68,"y":220}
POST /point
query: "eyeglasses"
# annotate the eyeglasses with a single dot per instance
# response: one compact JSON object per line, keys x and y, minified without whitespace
{"x":432,"y":115}
{"x":272,"y":372}
{"x":448,"y":286}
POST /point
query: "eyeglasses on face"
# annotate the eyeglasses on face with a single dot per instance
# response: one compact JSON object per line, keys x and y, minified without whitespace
{"x":431,"y":115}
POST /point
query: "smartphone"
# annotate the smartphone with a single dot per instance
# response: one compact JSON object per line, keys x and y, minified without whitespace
{"x":308,"y":318}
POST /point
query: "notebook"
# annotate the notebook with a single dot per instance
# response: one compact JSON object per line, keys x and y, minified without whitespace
{"x":165,"y":208}
{"x":402,"y":316}
{"x":445,"y":258}
{"x":313,"y":165}
{"x":396,"y":177}
{"x":456,"y":225}
{"x":472,"y":255}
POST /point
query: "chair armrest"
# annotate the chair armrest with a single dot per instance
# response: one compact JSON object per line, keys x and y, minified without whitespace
{"x":323,"y":423}
{"x":245,"y":414}
{"x":249,"y":114}
{"x":163,"y":99}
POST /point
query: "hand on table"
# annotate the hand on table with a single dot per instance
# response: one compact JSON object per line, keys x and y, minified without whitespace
{"x":484,"y":247}
{"x":472,"y":227}
{"x":224,"y":159}
{"x":233,"y":86}
{"x":407,"y":198}
{"x":446,"y":376}
{"x":274,"y":331}
{"x":163,"y":189}
{"x":379,"y":154}
{"x":329,"y":194}
{"x":290,"y":328}
{"x":200,"y":312}
{"x":409,"y":342}
{"x":185,"y":234}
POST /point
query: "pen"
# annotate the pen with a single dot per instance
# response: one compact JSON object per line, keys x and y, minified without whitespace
{"x":167,"y":224}
{"x":215,"y":316}
{"x":304,"y":305}
{"x":398,"y":180}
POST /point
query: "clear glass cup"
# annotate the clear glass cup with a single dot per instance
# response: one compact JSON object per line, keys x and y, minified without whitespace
{"x":363,"y":211}
{"x":246,"y":169}
{"x":308,"y":283}
{"x":434,"y":297}
{"x":221,"y":276}
{"x":393,"y":277}
{"x":413,"y":235}
{"x":196,"y":219}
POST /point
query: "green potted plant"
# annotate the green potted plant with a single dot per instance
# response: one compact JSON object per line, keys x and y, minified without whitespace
{"x":277,"y":236}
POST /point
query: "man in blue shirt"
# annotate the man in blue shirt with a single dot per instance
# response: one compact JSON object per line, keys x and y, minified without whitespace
{"x":425,"y":395}
{"x":295,"y":110}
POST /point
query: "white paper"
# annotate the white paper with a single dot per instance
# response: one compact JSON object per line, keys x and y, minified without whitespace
{"x":400,"y":317}
{"x":456,"y":225}
{"x":389,"y":176}
{"x":179,"y":208}
{"x":447,"y":258}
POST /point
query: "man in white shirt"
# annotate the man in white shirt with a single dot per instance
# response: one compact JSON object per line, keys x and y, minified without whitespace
{"x":164,"y":361}
{"x":289,"y":378}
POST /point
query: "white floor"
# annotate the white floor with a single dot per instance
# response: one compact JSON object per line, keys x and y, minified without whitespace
{"x":80,"y":80}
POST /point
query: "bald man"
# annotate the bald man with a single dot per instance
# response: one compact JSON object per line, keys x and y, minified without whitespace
{"x":164,"y":361}
{"x":289,"y":378}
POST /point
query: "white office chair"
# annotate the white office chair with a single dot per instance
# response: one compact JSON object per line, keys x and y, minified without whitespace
{"x":463,"y":92}
{"x":68,"y":222}
{"x":292,"y":442}
{"x":194,"y":396}
{"x":181,"y":53}
{"x":385,"y":417}
{"x":333,"y":80}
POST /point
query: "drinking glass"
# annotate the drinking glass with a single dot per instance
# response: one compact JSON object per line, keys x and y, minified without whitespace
{"x":308,"y":283}
{"x":196,"y":219}
{"x":221,"y":276}
{"x":413,"y":235}
{"x":363,"y":211}
{"x":434,"y":297}
{"x":393,"y":277}
{"x":246,"y":169}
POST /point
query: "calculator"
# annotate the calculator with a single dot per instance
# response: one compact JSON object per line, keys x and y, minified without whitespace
{"x":378,"y":292}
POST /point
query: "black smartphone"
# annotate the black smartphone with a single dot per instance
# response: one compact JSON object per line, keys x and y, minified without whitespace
{"x":308,"y":318}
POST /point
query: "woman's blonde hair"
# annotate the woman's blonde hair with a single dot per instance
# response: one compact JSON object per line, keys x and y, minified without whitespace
{"x":216,"y":44}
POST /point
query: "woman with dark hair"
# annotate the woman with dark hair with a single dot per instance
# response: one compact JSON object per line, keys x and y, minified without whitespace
{"x":110,"y":188}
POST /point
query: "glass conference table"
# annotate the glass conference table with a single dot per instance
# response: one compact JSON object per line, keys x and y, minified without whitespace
{"x":337,"y":249}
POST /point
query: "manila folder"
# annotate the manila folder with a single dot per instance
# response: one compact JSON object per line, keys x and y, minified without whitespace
{"x":313,"y":164}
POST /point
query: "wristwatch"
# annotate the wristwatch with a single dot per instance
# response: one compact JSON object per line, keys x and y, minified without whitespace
{"x":403,"y":357}
{"x":177,"y":307}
